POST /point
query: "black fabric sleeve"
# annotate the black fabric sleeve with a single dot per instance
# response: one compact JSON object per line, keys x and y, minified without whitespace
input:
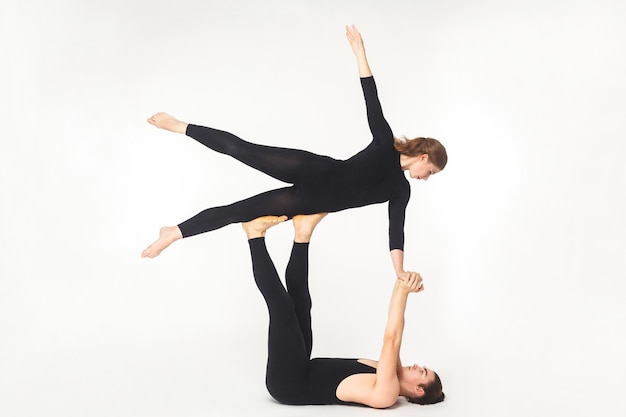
{"x":397,"y":211}
{"x":378,"y":125}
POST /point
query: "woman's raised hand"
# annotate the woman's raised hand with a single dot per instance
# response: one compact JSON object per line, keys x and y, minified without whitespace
{"x":356,"y":42}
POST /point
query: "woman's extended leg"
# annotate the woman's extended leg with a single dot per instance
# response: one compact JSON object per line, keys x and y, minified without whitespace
{"x":287,"y":354}
{"x":292,"y":166}
{"x":167,"y":122}
{"x":167,"y":236}
{"x":288,"y":165}
{"x":288,"y":201}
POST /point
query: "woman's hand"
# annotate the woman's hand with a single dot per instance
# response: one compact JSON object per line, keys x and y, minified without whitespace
{"x":356,"y":42}
{"x":411,"y":282}
{"x":402,"y":274}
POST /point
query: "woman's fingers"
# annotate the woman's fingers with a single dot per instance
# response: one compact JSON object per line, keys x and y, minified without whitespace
{"x":352,"y":33}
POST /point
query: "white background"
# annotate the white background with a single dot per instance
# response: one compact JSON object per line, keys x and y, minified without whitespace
{"x":520,"y":239}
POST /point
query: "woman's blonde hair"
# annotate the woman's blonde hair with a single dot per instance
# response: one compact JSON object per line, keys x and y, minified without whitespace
{"x":419,"y":146}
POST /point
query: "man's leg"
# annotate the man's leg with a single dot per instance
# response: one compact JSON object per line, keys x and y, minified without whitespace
{"x":287,"y":360}
{"x":297,"y":274}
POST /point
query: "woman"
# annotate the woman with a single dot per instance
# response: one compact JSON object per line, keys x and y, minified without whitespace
{"x":320,"y":183}
{"x":292,"y":377}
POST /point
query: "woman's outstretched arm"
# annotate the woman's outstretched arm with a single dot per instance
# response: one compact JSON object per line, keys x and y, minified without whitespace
{"x":356,"y":43}
{"x":397,"y":259}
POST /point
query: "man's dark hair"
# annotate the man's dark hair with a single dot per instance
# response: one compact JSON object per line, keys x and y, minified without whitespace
{"x":433,"y":393}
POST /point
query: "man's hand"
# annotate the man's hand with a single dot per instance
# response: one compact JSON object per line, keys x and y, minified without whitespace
{"x":410,"y":282}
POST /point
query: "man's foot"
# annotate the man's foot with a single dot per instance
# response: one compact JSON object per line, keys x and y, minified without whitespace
{"x":257,"y":227}
{"x":304,"y":226}
{"x":167,"y":122}
{"x":167,"y":236}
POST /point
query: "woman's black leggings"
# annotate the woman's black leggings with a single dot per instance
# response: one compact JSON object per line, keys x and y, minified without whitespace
{"x":290,"y":338}
{"x":292,"y":166}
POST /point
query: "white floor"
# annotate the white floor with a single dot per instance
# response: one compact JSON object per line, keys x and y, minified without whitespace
{"x":520,"y":239}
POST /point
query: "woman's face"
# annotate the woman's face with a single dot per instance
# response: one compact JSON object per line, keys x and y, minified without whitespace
{"x":419,"y":167}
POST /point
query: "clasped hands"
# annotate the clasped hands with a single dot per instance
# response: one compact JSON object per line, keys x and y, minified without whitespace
{"x":410,"y":281}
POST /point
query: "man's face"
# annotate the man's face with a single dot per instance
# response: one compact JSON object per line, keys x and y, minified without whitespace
{"x":420,"y":375}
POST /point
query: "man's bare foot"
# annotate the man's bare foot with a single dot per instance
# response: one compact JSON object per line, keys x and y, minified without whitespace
{"x":257,"y":227}
{"x":167,"y":236}
{"x":167,"y":122}
{"x":304,"y":226}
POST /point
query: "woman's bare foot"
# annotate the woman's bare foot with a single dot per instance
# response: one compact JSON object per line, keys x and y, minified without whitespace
{"x":304,"y":226}
{"x":167,"y":236}
{"x":257,"y":227}
{"x":167,"y":122}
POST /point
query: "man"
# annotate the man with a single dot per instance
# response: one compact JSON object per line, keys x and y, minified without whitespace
{"x":292,"y":376}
